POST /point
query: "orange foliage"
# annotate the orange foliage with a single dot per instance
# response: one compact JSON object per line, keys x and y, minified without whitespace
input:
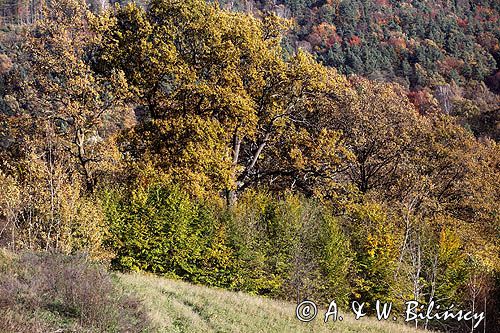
{"x":5,"y":64}
{"x":354,"y":41}
{"x":384,"y":3}
{"x":485,"y":14}
{"x":380,"y":18}
{"x":423,"y":101}
{"x":398,"y":42}
{"x":324,"y":33}
{"x":450,"y":63}
{"x":462,"y":22}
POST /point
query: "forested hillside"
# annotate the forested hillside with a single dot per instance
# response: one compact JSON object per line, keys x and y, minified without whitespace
{"x":422,"y":43}
{"x":449,"y":40}
{"x":445,"y":49}
{"x":200,"y":143}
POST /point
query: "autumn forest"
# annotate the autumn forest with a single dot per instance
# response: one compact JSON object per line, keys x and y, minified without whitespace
{"x":291,"y":149}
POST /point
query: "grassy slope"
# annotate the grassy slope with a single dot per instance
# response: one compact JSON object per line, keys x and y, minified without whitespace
{"x":181,"y":307}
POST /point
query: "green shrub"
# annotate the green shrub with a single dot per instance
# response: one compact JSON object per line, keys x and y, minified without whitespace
{"x":289,"y":247}
{"x":374,"y":236}
{"x":160,"y":230}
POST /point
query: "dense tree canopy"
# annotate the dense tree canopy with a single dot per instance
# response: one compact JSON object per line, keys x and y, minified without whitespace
{"x":220,"y":96}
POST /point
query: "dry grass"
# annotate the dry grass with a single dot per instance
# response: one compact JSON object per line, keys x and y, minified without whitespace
{"x":175,"y":306}
{"x":47,"y":292}
{"x":171,"y":306}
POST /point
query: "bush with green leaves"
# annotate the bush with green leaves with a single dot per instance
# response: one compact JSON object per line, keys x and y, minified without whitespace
{"x":160,"y":229}
{"x":289,"y":247}
{"x":375,"y":237}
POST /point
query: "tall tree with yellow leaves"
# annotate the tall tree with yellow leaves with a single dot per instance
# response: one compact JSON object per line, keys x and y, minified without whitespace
{"x":222,"y":105}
